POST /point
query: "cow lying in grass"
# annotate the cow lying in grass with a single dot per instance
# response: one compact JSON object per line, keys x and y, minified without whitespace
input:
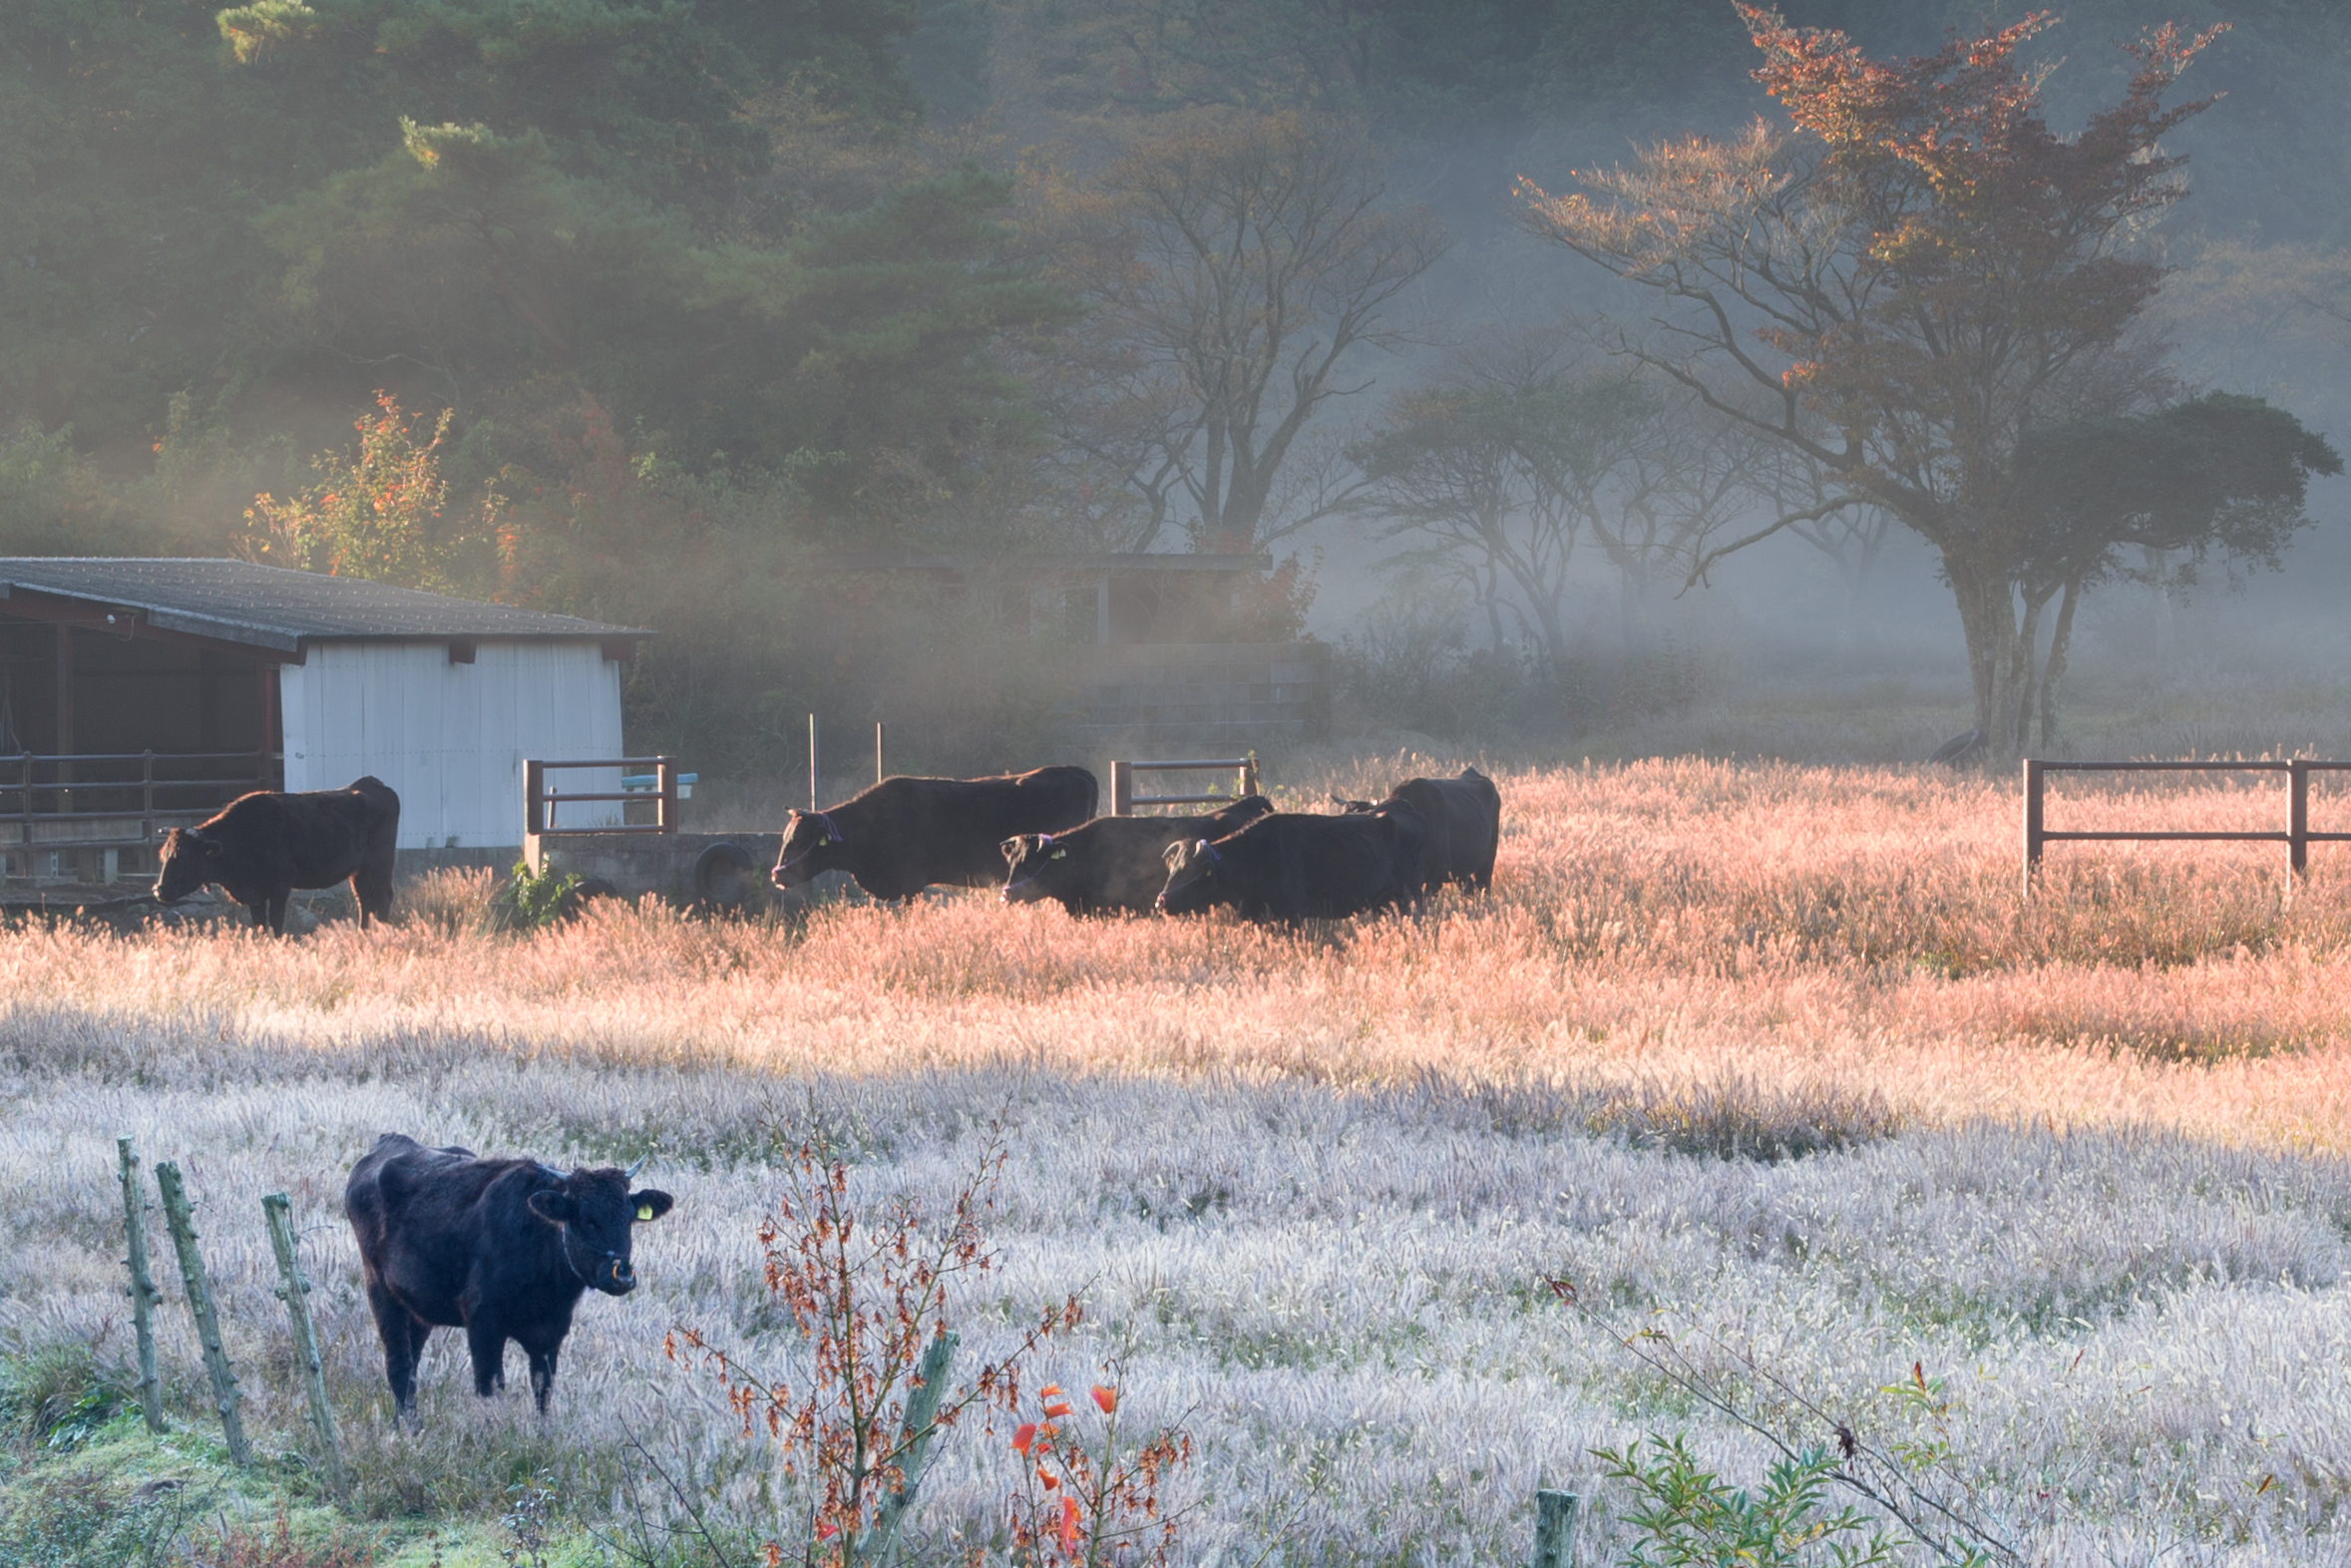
{"x":905,"y":834}
{"x":503,"y":1249}
{"x":262,"y":846}
{"x":1292,"y":866}
{"x":1111,"y":864}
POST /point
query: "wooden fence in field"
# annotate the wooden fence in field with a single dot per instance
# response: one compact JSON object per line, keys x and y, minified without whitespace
{"x":2297,"y":835}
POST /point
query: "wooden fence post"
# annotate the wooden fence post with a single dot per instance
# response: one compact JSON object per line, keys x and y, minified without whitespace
{"x":878,"y":773}
{"x":1123,"y":790}
{"x":278,"y":1209}
{"x":1555,"y":1528}
{"x":143,"y":1292}
{"x":813,"y":803}
{"x":922,"y":1412}
{"x":2299,"y":816}
{"x":182,"y":1220}
{"x":2033,"y":840}
{"x":1249,"y":774}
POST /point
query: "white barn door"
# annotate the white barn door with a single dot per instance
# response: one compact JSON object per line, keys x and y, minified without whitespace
{"x":451,"y":739}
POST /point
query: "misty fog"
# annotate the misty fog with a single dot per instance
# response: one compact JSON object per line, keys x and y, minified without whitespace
{"x":859,"y":288}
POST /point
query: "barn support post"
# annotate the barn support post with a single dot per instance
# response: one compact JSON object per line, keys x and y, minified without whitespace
{"x":143,"y":1292}
{"x":182,"y":1220}
{"x":278,"y":1209}
{"x":922,"y":1424}
{"x":1555,"y":1528}
{"x":65,"y":717}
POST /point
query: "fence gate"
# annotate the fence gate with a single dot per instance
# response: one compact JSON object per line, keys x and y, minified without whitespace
{"x":1124,"y":800}
{"x":2297,"y":836}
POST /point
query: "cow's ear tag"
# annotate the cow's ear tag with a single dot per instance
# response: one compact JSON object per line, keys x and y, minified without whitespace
{"x":644,"y":1211}
{"x":1058,"y":855}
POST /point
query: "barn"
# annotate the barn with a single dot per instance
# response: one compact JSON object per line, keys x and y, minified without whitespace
{"x":137,"y":695}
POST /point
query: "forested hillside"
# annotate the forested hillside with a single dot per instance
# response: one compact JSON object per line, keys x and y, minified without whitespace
{"x":658,"y":295}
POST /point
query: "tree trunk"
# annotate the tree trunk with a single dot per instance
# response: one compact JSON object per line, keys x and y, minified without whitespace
{"x":2022,"y":659}
{"x":2054,"y":670}
{"x":1987,"y":614}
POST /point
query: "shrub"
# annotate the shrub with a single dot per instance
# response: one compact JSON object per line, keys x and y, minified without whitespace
{"x":1686,"y":1515}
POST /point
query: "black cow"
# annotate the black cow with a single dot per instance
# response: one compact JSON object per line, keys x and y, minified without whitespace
{"x":499,"y":1248}
{"x":1111,"y":863}
{"x":904,"y":834}
{"x":264,"y":845}
{"x":1465,"y":816}
{"x":1291,"y":864}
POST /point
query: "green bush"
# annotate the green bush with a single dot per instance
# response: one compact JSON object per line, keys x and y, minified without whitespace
{"x":1686,"y":1515}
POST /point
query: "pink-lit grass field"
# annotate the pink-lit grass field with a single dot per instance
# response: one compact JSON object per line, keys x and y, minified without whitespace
{"x":1777,"y":1059}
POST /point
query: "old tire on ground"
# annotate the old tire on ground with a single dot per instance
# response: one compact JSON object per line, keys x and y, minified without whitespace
{"x":722,"y":877}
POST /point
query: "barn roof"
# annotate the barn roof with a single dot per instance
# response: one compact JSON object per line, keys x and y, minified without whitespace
{"x":273,"y":607}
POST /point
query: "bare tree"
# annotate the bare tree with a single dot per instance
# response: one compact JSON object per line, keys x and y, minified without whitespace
{"x":1496,"y":475}
{"x":1239,"y":267}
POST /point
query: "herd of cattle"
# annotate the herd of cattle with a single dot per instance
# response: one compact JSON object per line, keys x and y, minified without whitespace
{"x":503,"y":1249}
{"x":1035,"y":836}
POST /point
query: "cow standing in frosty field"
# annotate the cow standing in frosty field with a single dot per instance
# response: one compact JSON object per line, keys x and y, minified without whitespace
{"x":262,"y":846}
{"x":503,"y":1249}
{"x":906,"y":834}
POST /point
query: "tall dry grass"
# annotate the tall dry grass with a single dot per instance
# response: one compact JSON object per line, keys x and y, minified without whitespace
{"x":2082,"y":1153}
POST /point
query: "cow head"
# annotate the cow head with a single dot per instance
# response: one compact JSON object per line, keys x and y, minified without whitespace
{"x":809,"y":839}
{"x":1031,"y":863}
{"x":190,"y":860}
{"x":1191,"y":879}
{"x":593,"y":1212}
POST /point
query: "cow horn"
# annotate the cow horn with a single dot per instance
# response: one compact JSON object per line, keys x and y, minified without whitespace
{"x":552,"y":1171}
{"x":639,"y":1166}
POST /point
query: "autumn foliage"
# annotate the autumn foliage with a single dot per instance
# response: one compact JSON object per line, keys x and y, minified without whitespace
{"x":869,"y":1297}
{"x":1903,"y":282}
{"x":381,"y":512}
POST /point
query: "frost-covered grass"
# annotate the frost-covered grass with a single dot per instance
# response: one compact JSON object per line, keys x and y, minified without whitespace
{"x":1773,"y":1057}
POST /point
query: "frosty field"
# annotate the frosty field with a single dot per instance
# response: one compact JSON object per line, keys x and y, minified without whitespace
{"x":1775,"y":1059}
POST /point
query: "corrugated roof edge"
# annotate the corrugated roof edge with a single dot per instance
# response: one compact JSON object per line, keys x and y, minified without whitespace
{"x":228,"y":629}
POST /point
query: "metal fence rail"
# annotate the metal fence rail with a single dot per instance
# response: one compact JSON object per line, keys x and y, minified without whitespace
{"x":122,"y":787}
{"x":1124,"y":800}
{"x":2296,"y":836}
{"x":664,"y":798}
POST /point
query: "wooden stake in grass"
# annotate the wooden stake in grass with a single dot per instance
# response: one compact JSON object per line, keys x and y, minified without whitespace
{"x":295,"y":1293}
{"x":1555,"y":1529}
{"x":182,"y":1220}
{"x":143,"y":1292}
{"x":922,"y":1424}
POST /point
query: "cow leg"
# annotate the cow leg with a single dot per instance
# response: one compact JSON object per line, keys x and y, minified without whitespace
{"x":403,"y":1335}
{"x":542,"y":1372}
{"x":488,"y":1346}
{"x":373,"y":894}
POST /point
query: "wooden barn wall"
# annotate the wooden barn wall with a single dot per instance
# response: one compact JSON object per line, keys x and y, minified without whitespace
{"x":452,"y":738}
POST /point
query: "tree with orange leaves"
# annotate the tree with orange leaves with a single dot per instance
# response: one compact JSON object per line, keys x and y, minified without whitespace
{"x":1903,"y":283}
{"x":381,"y":513}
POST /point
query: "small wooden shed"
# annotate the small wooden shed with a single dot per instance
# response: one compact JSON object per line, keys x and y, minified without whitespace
{"x":141,"y":694}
